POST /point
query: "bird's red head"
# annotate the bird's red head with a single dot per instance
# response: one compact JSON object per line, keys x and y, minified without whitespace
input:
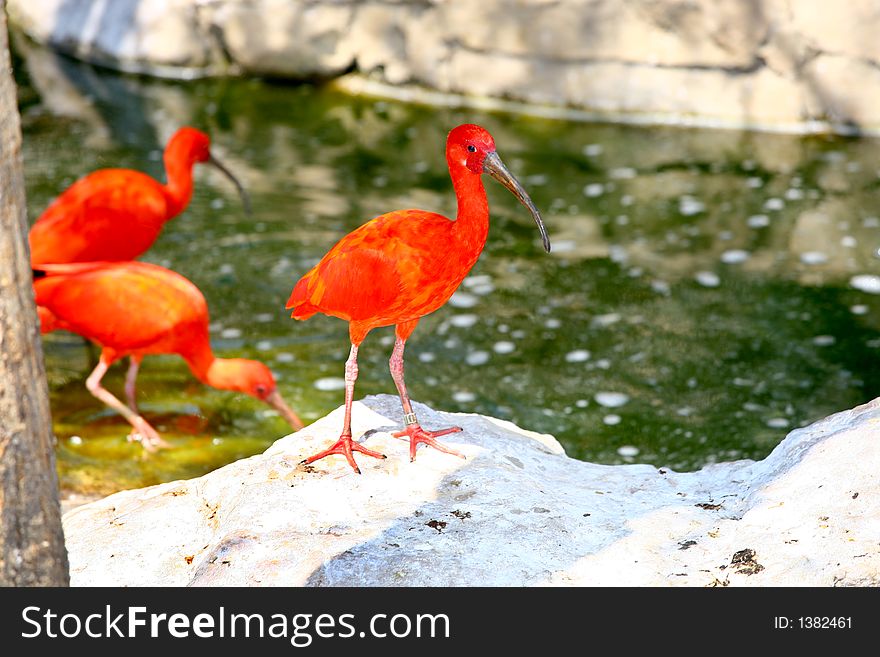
{"x":195,"y":144}
{"x":188,"y":146}
{"x":468,"y":145}
{"x":471,"y":147}
{"x":252,"y":378}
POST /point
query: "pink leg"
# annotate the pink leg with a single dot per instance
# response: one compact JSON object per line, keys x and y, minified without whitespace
{"x":130,"y":382}
{"x":345,"y":445}
{"x":412,"y":428}
{"x":143,"y":432}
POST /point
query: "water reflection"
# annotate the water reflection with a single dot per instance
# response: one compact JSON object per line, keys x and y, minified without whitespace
{"x":708,"y":291}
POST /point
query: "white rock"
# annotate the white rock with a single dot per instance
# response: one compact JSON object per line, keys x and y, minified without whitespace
{"x":809,"y":511}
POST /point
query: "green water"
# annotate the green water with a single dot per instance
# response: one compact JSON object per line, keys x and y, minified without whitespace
{"x":701,"y":277}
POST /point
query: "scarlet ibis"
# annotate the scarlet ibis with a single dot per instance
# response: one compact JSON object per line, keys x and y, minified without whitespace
{"x":403,"y":265}
{"x":117,"y":214}
{"x":134,"y":309}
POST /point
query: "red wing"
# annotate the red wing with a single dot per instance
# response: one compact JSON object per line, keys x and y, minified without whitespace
{"x":372,"y":271}
{"x":110,"y":214}
{"x":122,"y":305}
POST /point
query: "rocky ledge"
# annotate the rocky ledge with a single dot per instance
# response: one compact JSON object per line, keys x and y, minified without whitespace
{"x":803,"y":66}
{"x":517,"y":512}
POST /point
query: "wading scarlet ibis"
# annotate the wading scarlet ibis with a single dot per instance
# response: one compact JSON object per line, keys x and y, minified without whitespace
{"x":403,"y":265}
{"x":134,"y":309}
{"x":117,"y":214}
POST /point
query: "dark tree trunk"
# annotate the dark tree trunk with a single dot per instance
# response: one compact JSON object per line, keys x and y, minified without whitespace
{"x":32,"y":549}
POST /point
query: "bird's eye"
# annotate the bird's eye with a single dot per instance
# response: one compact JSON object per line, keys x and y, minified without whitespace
{"x":261,"y":389}
{"x":472,"y":148}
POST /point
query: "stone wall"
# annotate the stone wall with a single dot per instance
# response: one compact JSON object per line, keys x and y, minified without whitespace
{"x":778,"y":64}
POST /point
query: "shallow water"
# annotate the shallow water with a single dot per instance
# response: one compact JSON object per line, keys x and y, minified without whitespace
{"x":702,"y":298}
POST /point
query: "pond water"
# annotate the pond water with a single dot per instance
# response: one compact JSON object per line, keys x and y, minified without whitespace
{"x":708,"y":291}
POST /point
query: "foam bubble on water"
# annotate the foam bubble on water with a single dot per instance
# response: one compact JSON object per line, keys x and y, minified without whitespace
{"x":463,"y":321}
{"x":230,"y":333}
{"x":504,"y":347}
{"x":606,"y":320}
{"x":477,"y":281}
{"x":611,"y":399}
{"x":285,"y":357}
{"x":871,"y":222}
{"x":593,"y":190}
{"x":707,"y":279}
{"x":774,"y":204}
{"x":427,"y":357}
{"x":754,"y":182}
{"x":329,"y":383}
{"x":617,"y":253}
{"x":735,"y":256}
{"x":217,"y":204}
{"x":794,"y":194}
{"x":758,"y":221}
{"x":684,"y":411}
{"x":462,"y":300}
{"x":263,"y":345}
{"x":824,"y":340}
{"x":628,"y":450}
{"x":477,"y":358}
{"x":814,"y":258}
{"x":611,"y":419}
{"x":463,"y":396}
{"x":866,"y":283}
{"x":483,"y":289}
{"x":849,"y":242}
{"x":688,"y":205}
{"x":386,"y":340}
{"x":216,"y":441}
{"x":660,"y":287}
{"x":577,"y":356}
{"x":603,"y":364}
{"x":552,"y":323}
{"x":627,"y":200}
{"x":264,"y":317}
{"x":536,"y":180}
{"x":564,"y":246}
{"x":226,"y":268}
{"x":859,"y":309}
{"x":75,"y":440}
{"x":622,"y":173}
{"x":777,"y":423}
{"x":592,"y":150}
{"x":582,"y":403}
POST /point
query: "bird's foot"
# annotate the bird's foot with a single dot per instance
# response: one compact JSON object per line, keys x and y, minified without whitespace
{"x":345,"y":446}
{"x":418,"y":435}
{"x":147,"y":436}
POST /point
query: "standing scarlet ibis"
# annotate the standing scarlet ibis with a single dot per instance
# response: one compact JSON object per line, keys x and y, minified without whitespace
{"x":117,"y":214}
{"x":403,"y":265}
{"x":135,"y":309}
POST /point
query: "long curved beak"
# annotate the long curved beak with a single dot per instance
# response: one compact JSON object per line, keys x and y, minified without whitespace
{"x":493,"y":165}
{"x":245,"y":199}
{"x":275,"y":401}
